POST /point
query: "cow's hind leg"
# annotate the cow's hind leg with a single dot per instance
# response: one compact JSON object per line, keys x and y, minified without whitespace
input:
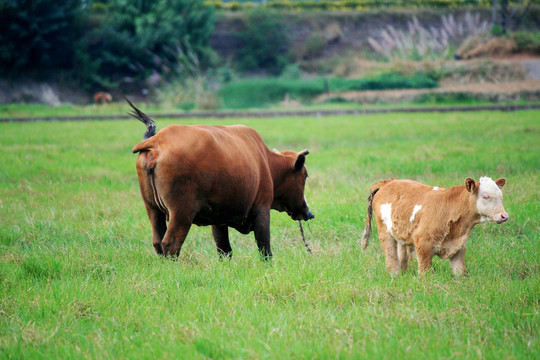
{"x":221,"y":237}
{"x":390,"y":247}
{"x":156,"y":216}
{"x":159,"y":227}
{"x":173,"y":240}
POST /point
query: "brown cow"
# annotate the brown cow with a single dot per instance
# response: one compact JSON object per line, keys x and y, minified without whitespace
{"x":223,"y":176}
{"x":430,"y":220}
{"x":102,"y":97}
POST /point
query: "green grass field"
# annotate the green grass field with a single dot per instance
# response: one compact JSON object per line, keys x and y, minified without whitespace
{"x":79,"y":277}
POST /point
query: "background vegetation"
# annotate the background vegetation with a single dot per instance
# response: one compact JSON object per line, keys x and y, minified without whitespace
{"x":143,"y":46}
{"x":103,"y":44}
{"x":253,"y":93}
{"x":79,"y":277}
{"x":333,"y":5}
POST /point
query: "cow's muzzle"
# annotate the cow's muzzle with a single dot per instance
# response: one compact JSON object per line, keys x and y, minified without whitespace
{"x":309,"y":216}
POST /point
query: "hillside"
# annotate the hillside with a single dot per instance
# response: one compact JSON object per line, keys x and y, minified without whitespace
{"x":343,"y":44}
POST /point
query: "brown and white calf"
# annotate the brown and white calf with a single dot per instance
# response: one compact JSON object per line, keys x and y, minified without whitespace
{"x":431,"y":220}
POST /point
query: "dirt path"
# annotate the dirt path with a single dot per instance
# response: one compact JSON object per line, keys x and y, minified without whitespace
{"x":526,"y":90}
{"x":281,"y":113}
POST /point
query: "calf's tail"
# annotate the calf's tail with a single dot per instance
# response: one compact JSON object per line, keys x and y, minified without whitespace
{"x":366,"y":234}
{"x":142,"y":117}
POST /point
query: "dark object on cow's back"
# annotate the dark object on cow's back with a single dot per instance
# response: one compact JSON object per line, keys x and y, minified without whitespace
{"x":223,"y":176}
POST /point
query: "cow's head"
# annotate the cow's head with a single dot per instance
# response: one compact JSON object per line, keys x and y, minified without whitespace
{"x":289,"y":192}
{"x":489,"y":198}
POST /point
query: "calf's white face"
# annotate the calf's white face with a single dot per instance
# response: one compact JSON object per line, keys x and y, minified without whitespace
{"x":490,"y":200}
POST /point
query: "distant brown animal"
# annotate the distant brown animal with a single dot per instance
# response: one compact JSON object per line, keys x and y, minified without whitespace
{"x":223,"y":176}
{"x":102,"y":97}
{"x":430,"y":220}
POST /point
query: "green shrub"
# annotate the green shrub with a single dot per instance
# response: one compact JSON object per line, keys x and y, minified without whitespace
{"x":449,"y":98}
{"x":314,"y":46}
{"x":527,"y":41}
{"x":38,"y":34}
{"x":497,"y":30}
{"x":384,"y":81}
{"x":133,"y":40}
{"x":292,"y":72}
{"x":263,"y":92}
{"x":265,"y":43}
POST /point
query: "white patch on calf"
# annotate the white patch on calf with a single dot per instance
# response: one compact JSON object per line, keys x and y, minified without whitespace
{"x":386,"y":216}
{"x":415,"y":210}
{"x":492,"y":205}
{"x":435,"y":188}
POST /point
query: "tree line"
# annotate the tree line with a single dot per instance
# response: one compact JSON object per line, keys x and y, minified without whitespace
{"x":103,"y":44}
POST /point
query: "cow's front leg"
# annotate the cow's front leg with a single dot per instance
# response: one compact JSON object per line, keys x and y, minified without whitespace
{"x":261,"y":229}
{"x":458,"y":262}
{"x":221,"y":237}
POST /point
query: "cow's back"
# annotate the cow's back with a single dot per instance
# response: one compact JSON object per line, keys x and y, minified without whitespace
{"x":225,"y":152}
{"x":225,"y":167}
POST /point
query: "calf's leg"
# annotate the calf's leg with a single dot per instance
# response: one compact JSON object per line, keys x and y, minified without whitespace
{"x":458,"y":262}
{"x":221,"y":237}
{"x":403,"y":256}
{"x":390,"y":245}
{"x":424,"y":253}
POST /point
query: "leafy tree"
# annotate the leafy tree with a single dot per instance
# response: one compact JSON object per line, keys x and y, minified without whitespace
{"x":265,"y":42}
{"x":134,"y":39}
{"x":37,"y":34}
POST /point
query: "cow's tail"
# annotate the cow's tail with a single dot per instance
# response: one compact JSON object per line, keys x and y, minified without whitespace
{"x":142,"y":117}
{"x":149,"y":153}
{"x":366,"y":234}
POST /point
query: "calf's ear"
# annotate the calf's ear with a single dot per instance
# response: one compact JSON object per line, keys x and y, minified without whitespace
{"x":500,"y":182}
{"x":470,"y":185}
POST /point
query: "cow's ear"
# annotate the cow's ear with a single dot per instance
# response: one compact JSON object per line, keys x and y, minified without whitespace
{"x":299,"y":164}
{"x":500,"y":182}
{"x":470,"y":185}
